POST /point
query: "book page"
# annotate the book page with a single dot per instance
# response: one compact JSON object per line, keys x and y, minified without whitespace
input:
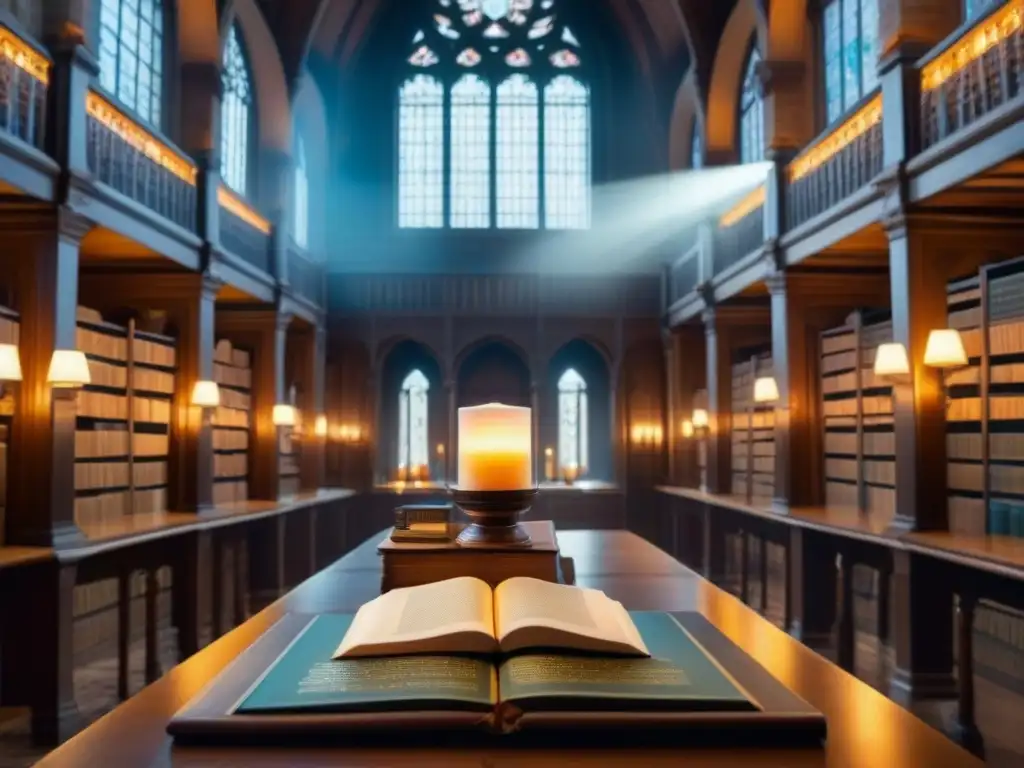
{"x":531,"y":612}
{"x":452,"y":616}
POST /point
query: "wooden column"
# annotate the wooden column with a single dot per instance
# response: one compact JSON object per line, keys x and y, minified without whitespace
{"x":812,"y":587}
{"x":43,"y":255}
{"x":265,"y":332}
{"x":691,"y":361}
{"x":919,"y":305}
{"x":189,"y":302}
{"x":311,"y":345}
{"x":200,"y":87}
{"x":798,"y":436}
{"x":719,"y":378}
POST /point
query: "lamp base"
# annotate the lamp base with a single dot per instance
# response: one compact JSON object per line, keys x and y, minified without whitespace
{"x":495,"y":518}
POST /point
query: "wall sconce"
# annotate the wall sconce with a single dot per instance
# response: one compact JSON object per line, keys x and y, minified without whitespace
{"x":440,"y":450}
{"x":350,"y":433}
{"x":891,"y":360}
{"x":945,"y":349}
{"x":68,"y":369}
{"x":700,"y":418}
{"x":646,"y":434}
{"x":320,"y":426}
{"x":686,"y":429}
{"x":283,"y":415}
{"x":766,"y":390}
{"x":206,"y":394}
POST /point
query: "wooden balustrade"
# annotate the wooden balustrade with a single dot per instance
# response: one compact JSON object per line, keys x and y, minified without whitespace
{"x":975,"y":74}
{"x":131,"y":160}
{"x":24,"y":81}
{"x":306,"y":276}
{"x":740,"y":230}
{"x":836,"y":166}
{"x":243,"y":231}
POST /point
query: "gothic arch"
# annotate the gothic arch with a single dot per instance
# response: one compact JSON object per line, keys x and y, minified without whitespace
{"x":483,"y":341}
{"x":387,"y":346}
{"x":720,"y":129}
{"x":687,"y":112}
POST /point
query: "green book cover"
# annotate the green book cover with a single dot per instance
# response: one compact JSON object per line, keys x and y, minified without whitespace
{"x":679,"y":676}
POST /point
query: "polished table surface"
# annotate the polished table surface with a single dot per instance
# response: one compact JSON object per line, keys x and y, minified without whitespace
{"x":865,"y":728}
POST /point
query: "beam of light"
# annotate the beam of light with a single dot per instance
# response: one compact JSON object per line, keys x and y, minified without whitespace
{"x":639,"y":224}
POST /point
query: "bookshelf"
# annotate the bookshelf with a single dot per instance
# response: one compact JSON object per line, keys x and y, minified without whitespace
{"x":231,"y":423}
{"x":289,"y":447}
{"x":9,"y":327}
{"x":753,"y":431}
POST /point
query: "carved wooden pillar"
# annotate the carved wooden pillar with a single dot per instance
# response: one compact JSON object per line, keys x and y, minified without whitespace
{"x":43,"y":254}
{"x":265,"y":333}
{"x":199,"y":134}
{"x":919,"y":305}
{"x":788,"y":112}
{"x":719,"y":377}
{"x":189,"y":301}
{"x":311,"y":345}
{"x":66,"y":23}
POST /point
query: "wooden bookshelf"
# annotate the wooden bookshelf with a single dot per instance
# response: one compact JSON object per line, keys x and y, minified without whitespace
{"x":152,"y":376}
{"x":231,"y":424}
{"x":753,"y":431}
{"x":9,"y":327}
{"x":289,"y":447}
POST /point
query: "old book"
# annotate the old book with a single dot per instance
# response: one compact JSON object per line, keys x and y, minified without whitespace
{"x":464,"y":615}
{"x":679,"y":676}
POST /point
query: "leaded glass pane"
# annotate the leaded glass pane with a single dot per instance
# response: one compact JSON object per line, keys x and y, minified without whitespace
{"x":518,"y":173}
{"x":833,"y":62}
{"x":471,"y":153}
{"x":572,"y":420}
{"x":413,"y":439}
{"x":421,"y":153}
{"x":130,"y":51}
{"x":751,"y":113}
{"x":868,"y":46}
{"x":566,"y":154}
{"x":301,"y":213}
{"x":236,"y":114}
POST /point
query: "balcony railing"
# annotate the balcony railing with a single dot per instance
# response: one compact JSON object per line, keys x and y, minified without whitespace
{"x":740,"y":231}
{"x":980,"y":71}
{"x":685,"y":274}
{"x":306,"y":276}
{"x":24,"y":81}
{"x":836,"y":166}
{"x":128,"y":158}
{"x":243,"y":231}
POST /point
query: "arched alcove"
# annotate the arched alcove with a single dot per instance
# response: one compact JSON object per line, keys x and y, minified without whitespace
{"x":493,"y":372}
{"x":592,"y":367}
{"x":402,"y":360}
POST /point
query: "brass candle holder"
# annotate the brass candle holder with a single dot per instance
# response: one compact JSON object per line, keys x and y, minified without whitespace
{"x":495,"y":516}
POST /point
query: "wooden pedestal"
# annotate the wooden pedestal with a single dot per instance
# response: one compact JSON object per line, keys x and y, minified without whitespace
{"x":409,"y":564}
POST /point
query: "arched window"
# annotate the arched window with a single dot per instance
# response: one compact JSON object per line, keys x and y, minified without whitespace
{"x":751,"y":112}
{"x":236,"y":118}
{"x":572,"y":420}
{"x":850,"y":42}
{"x":412,"y":421}
{"x":516,"y":120}
{"x":300,"y":214}
{"x":696,"y":146}
{"x":974,"y":8}
{"x":131,"y":54}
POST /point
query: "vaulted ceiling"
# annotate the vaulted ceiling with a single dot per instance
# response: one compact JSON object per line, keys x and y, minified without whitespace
{"x":662,"y":33}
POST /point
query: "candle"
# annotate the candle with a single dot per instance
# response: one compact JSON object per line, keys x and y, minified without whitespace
{"x":495,"y":448}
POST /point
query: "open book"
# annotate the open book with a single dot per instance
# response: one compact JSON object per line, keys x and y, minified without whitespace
{"x":464,"y":615}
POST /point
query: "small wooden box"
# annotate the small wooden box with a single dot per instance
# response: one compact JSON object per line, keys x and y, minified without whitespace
{"x":409,"y":564}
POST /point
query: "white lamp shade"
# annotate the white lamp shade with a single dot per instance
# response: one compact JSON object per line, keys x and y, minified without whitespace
{"x":10,"y":363}
{"x":687,"y":429}
{"x":700,"y":418}
{"x":766,"y":390}
{"x":206,"y":394}
{"x":284,"y":415}
{"x":891,"y":360}
{"x":945,"y":349}
{"x":320,"y":427}
{"x":68,"y":369}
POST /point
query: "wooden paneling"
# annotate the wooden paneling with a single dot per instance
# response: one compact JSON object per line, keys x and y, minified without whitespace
{"x":8,"y":335}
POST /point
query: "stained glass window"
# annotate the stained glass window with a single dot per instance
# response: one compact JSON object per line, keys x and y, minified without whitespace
{"x":412,"y":421}
{"x":421,"y":153}
{"x":850,"y":53}
{"x":236,"y":118}
{"x":751,"y":112}
{"x":566,"y":154}
{"x":572,"y":420}
{"x":500,"y":83}
{"x":471,"y":153}
{"x":696,"y":146}
{"x":131,"y":54}
{"x":300,"y":214}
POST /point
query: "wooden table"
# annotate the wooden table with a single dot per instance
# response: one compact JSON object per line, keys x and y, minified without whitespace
{"x":865,"y":728}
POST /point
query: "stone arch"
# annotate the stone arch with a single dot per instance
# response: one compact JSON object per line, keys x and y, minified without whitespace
{"x":746,"y":22}
{"x":483,"y":341}
{"x":687,"y":113}
{"x":388,"y":345}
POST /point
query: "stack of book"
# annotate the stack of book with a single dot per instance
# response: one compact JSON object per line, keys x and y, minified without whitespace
{"x":232,"y":372}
